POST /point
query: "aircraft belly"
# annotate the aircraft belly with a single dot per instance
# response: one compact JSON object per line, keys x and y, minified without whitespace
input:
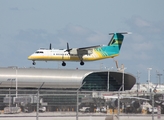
{"x":66,"y":58}
{"x":74,"y":58}
{"x":62,"y":58}
{"x":55,"y":58}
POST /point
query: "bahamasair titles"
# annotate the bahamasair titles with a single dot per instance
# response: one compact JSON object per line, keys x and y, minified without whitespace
{"x":83,"y":54}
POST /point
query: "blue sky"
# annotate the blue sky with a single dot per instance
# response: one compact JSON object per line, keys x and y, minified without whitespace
{"x":26,"y":25}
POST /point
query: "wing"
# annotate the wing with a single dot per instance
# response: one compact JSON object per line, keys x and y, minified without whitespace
{"x":86,"y":48}
{"x":82,"y":51}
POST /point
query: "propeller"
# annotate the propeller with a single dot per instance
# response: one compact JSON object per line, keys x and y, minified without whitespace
{"x":68,"y":50}
{"x":50,"y":46}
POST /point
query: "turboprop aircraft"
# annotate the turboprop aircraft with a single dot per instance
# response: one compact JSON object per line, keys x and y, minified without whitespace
{"x":90,"y":53}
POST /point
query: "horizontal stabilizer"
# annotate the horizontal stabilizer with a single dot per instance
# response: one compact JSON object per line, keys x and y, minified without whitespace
{"x":120,"y":33}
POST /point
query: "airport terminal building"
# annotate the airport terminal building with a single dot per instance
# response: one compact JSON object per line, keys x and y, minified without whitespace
{"x":68,"y":81}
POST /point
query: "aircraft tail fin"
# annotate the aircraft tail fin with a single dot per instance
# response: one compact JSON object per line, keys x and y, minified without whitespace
{"x":117,"y":39}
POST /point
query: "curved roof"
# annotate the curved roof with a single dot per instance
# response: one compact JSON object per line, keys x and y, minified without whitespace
{"x":52,"y":78}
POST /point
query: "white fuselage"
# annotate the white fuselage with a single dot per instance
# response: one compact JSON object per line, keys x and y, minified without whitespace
{"x":63,"y":55}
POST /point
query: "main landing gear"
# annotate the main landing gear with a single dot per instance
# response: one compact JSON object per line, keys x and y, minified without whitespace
{"x":64,"y":64}
{"x":81,"y":63}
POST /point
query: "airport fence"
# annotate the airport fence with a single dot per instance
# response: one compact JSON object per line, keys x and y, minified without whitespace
{"x":43,"y":102}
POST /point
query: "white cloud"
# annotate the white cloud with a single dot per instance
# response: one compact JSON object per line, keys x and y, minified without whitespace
{"x":146,"y":38}
{"x":78,"y":36}
{"x":77,"y":30}
{"x":135,"y":37}
{"x":143,"y":46}
{"x":142,"y":56}
{"x":14,"y":8}
{"x":141,"y":23}
{"x":97,"y":37}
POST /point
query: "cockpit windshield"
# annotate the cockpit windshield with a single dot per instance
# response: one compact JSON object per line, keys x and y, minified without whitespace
{"x":38,"y":52}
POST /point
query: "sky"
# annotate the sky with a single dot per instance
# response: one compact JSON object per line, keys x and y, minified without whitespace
{"x":27,"y":25}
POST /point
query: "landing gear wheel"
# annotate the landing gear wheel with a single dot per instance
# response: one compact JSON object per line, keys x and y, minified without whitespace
{"x":63,"y":63}
{"x":34,"y":63}
{"x":81,"y":63}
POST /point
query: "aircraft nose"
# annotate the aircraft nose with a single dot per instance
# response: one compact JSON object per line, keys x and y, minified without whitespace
{"x":29,"y":57}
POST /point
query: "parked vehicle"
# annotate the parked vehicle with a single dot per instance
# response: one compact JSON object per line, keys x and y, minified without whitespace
{"x":42,"y":109}
{"x":150,"y":110}
{"x":85,"y":109}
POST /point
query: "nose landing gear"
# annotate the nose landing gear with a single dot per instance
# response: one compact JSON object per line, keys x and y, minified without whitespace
{"x":34,"y":63}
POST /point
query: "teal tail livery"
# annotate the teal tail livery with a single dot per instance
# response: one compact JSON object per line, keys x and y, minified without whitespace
{"x":113,"y":47}
{"x":90,"y":53}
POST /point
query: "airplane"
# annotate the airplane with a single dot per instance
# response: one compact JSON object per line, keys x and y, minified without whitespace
{"x":90,"y":53}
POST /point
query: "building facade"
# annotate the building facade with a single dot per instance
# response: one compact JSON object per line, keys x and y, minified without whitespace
{"x":70,"y":79}
{"x":58,"y":87}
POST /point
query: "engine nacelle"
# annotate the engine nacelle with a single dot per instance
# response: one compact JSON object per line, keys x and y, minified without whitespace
{"x":76,"y":51}
{"x":73,"y":51}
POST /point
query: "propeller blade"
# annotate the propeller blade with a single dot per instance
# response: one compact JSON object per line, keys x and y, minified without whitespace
{"x":50,"y":46}
{"x":67,"y":46}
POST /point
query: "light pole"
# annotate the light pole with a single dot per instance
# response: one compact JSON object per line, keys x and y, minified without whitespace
{"x":108,"y":81}
{"x":16,"y":85}
{"x":9,"y":101}
{"x":149,"y":69}
{"x":37,"y":113}
{"x":11,"y":80}
{"x":159,"y":81}
{"x":123,"y":78}
{"x":152,"y":98}
{"x":77,"y":100}
{"x":138,"y":82}
{"x":108,"y":78}
{"x":163,"y":77}
{"x":16,"y":82}
{"x":118,"y":108}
